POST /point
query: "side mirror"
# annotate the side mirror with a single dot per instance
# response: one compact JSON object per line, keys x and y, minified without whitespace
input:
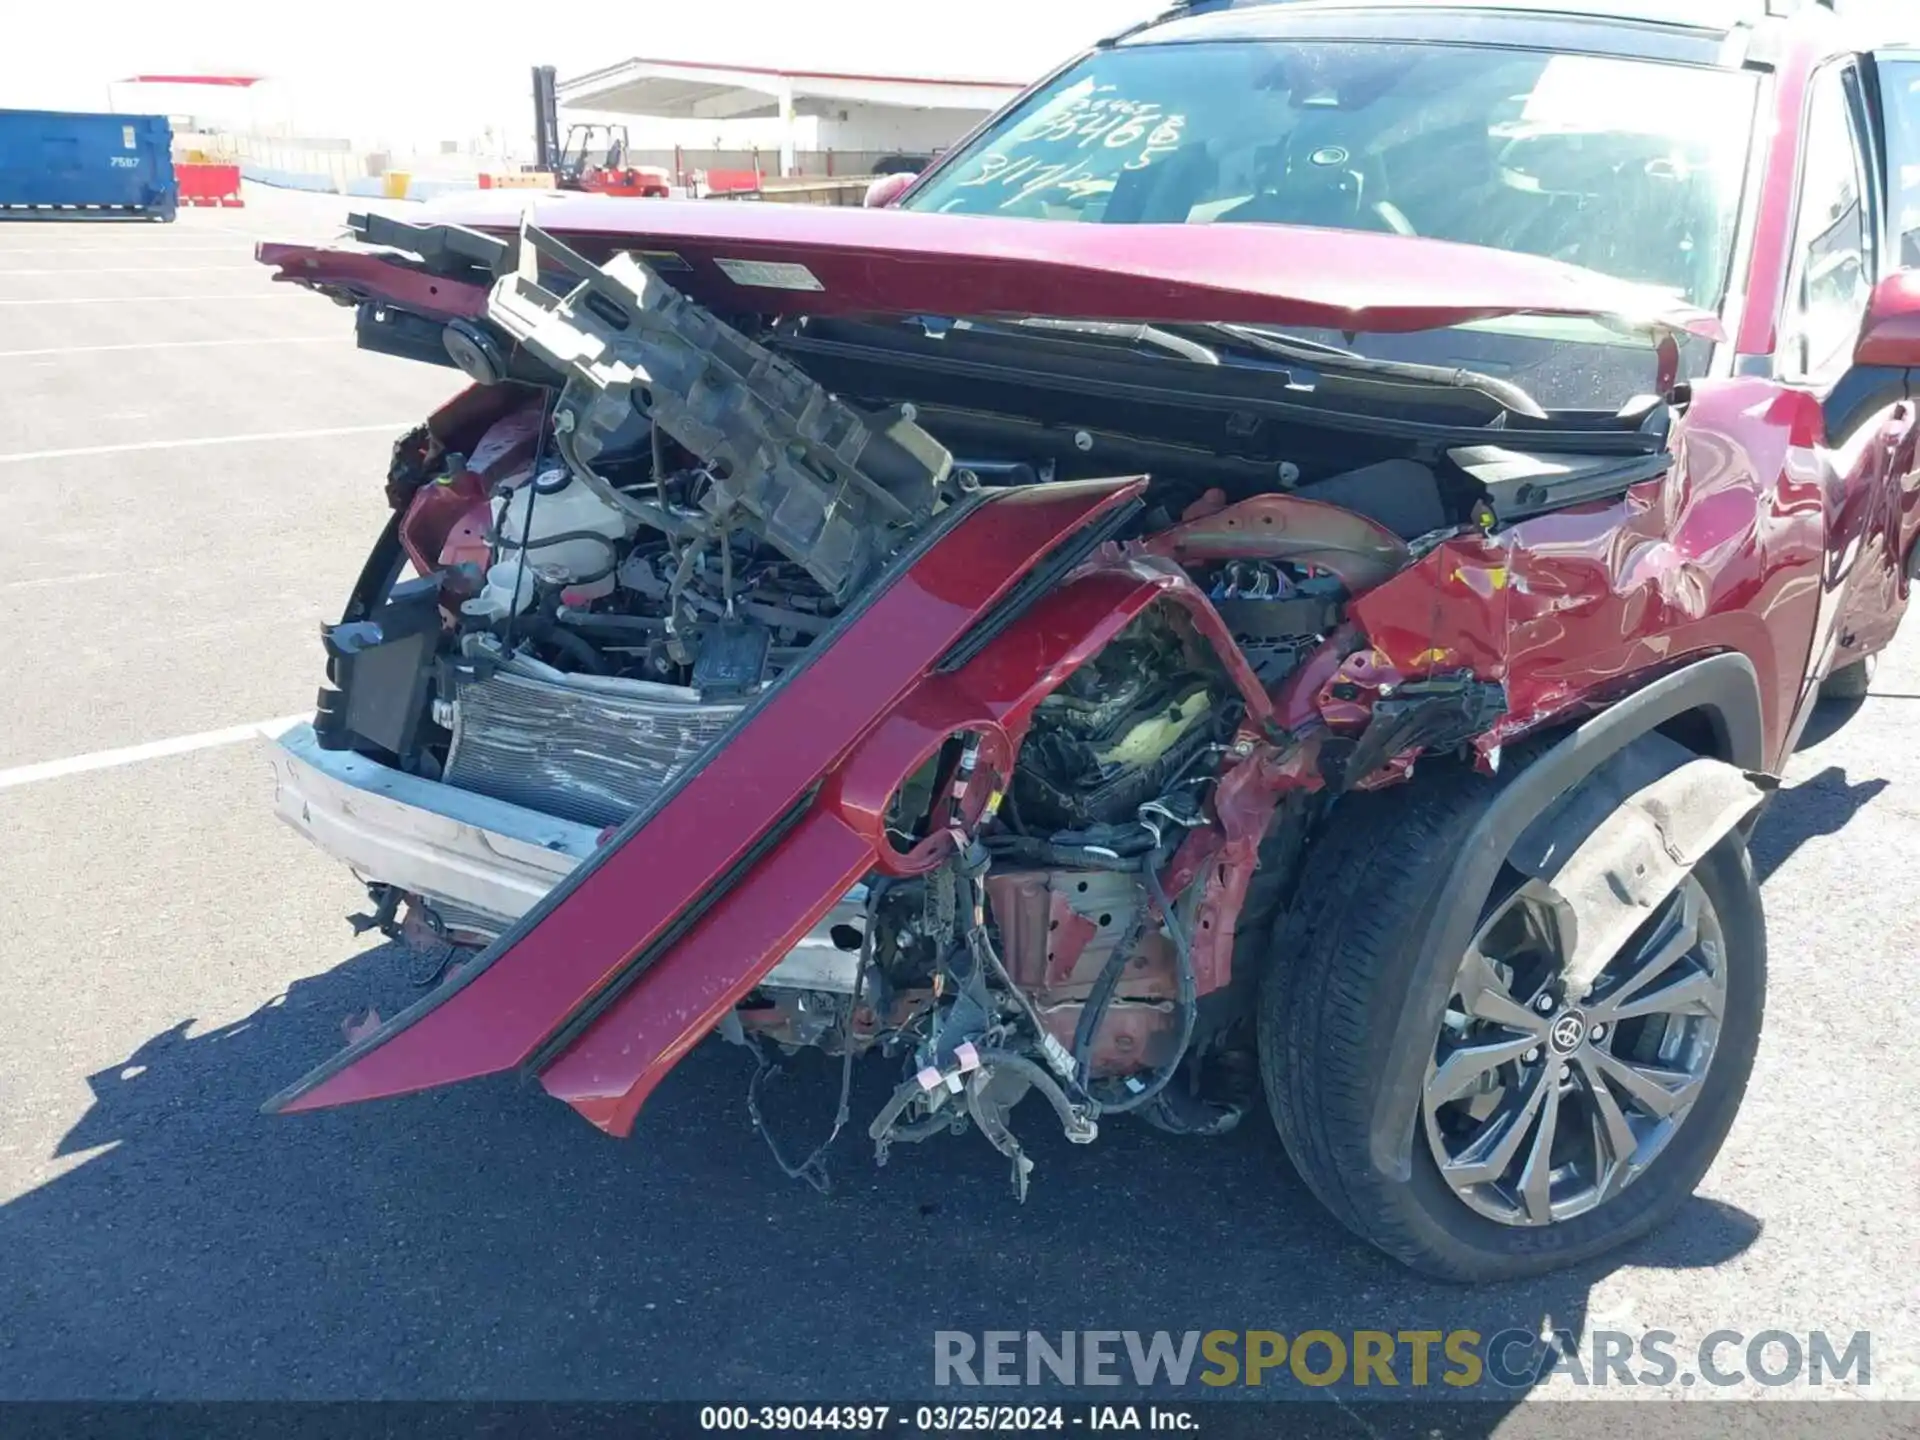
{"x":887,"y":189}
{"x":1890,"y":334}
{"x":1887,"y":350}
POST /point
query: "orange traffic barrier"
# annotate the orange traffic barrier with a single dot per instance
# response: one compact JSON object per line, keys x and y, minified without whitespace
{"x":727,"y":182}
{"x":209,"y":184}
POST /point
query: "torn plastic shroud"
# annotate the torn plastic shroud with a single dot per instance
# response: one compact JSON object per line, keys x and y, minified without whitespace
{"x":829,"y":485}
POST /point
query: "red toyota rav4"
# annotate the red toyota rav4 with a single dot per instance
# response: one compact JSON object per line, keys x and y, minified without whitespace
{"x":1281,"y":568}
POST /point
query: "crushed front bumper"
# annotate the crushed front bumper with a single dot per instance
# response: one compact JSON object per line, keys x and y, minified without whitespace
{"x":447,"y":845}
{"x":480,"y":862}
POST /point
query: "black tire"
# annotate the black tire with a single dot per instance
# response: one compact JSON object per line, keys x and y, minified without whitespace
{"x":1333,"y":995}
{"x":1849,"y":682}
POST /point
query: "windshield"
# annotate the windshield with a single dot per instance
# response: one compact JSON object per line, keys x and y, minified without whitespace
{"x":1629,"y":167}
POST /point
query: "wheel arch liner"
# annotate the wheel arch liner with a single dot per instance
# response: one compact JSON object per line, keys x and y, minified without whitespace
{"x":1661,"y":813}
{"x":1565,"y":795}
{"x":753,"y":811}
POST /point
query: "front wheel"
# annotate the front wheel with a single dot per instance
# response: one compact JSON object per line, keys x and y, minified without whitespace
{"x":1549,"y":1129}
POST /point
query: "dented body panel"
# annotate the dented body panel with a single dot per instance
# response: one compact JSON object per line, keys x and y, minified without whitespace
{"x":1010,"y":609}
{"x":764,"y":791}
{"x":1727,"y":552}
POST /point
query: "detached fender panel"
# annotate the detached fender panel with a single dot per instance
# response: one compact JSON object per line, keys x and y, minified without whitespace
{"x":607,"y":1072}
{"x":723,"y":823}
{"x":351,"y":277}
{"x":1725,"y":687}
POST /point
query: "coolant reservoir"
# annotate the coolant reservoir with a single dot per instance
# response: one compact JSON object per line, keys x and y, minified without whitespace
{"x":569,"y":535}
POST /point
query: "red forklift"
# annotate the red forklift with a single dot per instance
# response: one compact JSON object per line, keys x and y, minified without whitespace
{"x":592,"y":157}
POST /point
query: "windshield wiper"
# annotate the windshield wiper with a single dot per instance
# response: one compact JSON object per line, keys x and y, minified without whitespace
{"x":1167,"y":340}
{"x":1275,"y":343}
{"x":1179,"y":340}
{"x":1292,"y":347}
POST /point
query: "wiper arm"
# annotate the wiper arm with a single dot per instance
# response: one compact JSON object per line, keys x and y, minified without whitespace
{"x":1167,"y":340}
{"x":1292,"y":347}
{"x":1179,"y":340}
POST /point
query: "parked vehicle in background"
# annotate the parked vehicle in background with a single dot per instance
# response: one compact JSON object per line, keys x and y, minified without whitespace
{"x":1282,"y":570}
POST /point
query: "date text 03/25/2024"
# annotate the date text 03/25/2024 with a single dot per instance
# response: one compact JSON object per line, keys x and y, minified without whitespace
{"x":943,"y":1419}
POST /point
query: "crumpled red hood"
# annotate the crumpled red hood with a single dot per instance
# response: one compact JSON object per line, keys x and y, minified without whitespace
{"x":797,"y":259}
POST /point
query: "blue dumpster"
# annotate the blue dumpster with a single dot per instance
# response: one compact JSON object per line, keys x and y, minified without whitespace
{"x":60,"y":165}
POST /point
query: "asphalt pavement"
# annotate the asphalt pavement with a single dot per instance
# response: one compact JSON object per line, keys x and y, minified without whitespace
{"x":191,"y":460}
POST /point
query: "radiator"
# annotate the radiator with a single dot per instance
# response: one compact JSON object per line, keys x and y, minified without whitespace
{"x":578,"y":749}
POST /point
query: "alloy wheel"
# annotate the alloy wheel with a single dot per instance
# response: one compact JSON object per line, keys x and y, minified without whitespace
{"x":1539,"y":1105}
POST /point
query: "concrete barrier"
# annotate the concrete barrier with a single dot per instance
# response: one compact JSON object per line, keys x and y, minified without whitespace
{"x":288,"y":179}
{"x":424,"y":188}
{"x":381,"y":187}
{"x":516,"y":180}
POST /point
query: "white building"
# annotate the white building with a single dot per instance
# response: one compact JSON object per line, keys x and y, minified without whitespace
{"x":814,"y":121}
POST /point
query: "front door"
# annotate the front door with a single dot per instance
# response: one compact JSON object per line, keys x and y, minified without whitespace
{"x":1839,"y":251}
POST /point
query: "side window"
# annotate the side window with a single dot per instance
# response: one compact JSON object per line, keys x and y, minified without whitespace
{"x":1900,"y":97}
{"x":1833,"y":256}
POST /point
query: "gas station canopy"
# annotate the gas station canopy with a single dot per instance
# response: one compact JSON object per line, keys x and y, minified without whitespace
{"x":692,"y":90}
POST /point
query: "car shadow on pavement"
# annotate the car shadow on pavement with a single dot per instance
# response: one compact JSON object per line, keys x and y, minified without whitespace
{"x":1820,"y":805}
{"x":1830,"y":717}
{"x":483,"y":1242}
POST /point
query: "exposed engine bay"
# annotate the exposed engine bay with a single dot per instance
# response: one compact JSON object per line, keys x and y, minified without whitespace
{"x":645,"y":517}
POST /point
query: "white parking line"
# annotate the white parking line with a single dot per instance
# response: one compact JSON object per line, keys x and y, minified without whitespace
{"x":173,"y":345}
{"x":48,"y":581}
{"x":20,"y":457}
{"x":152,"y":299}
{"x":152,"y":750}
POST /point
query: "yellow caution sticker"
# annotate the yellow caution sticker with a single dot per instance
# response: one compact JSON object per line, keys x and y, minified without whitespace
{"x":1496,"y":576}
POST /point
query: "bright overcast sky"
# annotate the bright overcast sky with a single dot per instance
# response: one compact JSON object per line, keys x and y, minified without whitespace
{"x":405,"y":70}
{"x":411,"y":70}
